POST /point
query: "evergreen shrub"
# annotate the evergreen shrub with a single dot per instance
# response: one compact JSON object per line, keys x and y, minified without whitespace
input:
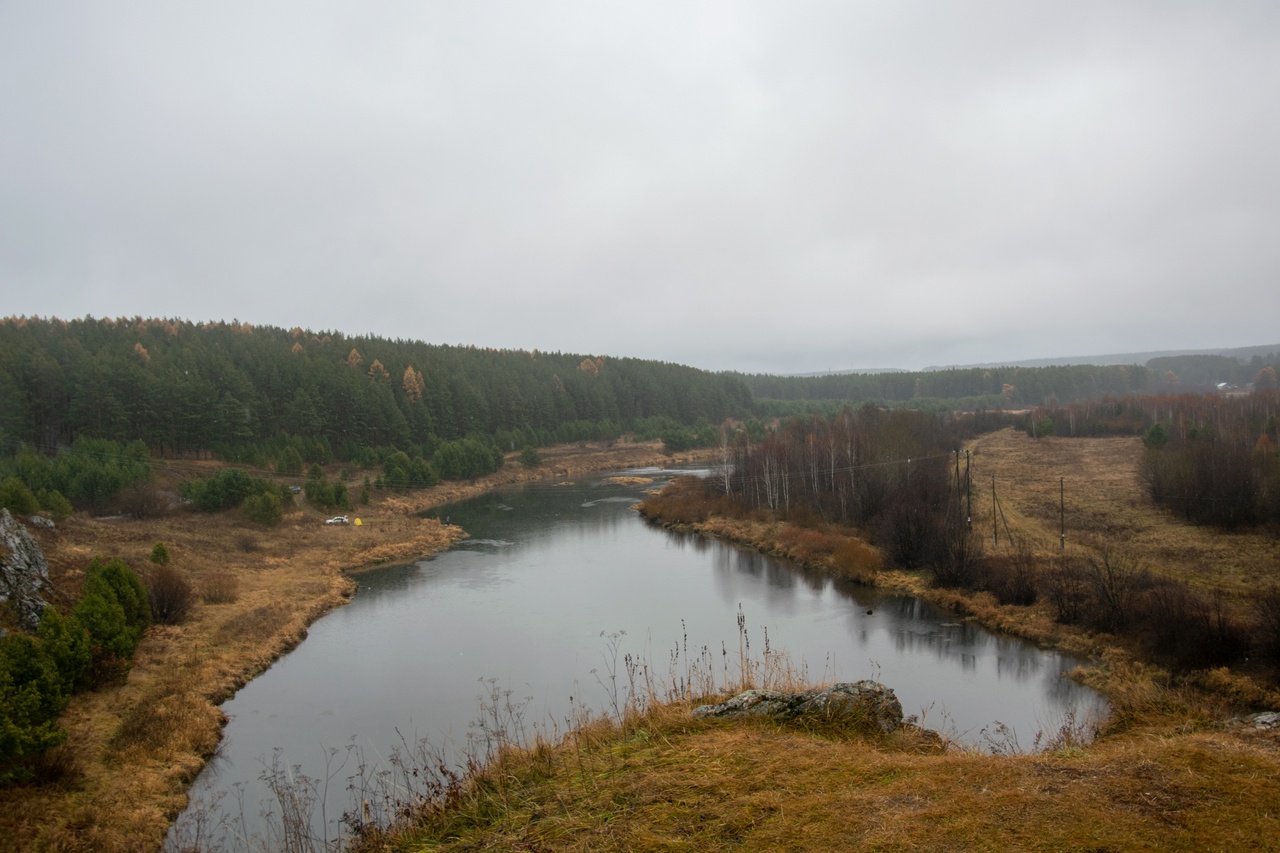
{"x":32,"y":696}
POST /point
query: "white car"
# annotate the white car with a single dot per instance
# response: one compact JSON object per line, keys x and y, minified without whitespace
{"x":338,"y":519}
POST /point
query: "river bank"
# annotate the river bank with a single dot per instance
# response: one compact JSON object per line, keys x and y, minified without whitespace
{"x":560,"y":588}
{"x":1171,"y":773}
{"x":1086,"y":490}
{"x":133,"y":749}
{"x":666,"y":780}
{"x":1174,"y":767}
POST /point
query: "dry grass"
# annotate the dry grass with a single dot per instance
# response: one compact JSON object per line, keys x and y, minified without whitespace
{"x":666,"y":781}
{"x":1107,"y":511}
{"x":1105,"y":503}
{"x":220,"y":587}
{"x":856,"y":560}
{"x":629,"y":481}
{"x":134,"y":748}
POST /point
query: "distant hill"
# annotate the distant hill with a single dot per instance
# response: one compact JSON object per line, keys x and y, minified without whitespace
{"x":853,"y":371}
{"x":1239,"y":353}
{"x":1026,"y":383}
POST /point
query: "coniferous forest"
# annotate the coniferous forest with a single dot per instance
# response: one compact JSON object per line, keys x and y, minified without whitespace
{"x":234,"y":390}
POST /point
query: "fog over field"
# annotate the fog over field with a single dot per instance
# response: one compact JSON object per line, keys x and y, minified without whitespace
{"x":779,"y":187}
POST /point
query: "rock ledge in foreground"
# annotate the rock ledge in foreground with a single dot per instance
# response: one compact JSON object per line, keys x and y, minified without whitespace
{"x":869,"y":702}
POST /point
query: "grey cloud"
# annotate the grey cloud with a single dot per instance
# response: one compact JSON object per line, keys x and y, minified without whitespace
{"x":733,"y":185}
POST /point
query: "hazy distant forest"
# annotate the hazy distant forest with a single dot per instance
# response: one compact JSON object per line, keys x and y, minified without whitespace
{"x":85,"y":403}
{"x":1019,"y":387}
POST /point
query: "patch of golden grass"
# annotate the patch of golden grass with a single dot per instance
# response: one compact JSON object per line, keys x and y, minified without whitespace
{"x":250,"y":627}
{"x":220,"y":587}
{"x":856,"y":560}
{"x":629,"y":481}
{"x":1105,"y":503}
{"x":163,"y":722}
{"x":668,"y":781}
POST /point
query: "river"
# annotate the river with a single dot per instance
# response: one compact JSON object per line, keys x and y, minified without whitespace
{"x":556,"y":586}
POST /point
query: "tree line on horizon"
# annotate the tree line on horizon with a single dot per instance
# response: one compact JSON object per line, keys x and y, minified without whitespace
{"x":1017,"y":387}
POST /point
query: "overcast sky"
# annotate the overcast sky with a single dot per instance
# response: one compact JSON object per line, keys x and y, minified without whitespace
{"x":788,"y":186}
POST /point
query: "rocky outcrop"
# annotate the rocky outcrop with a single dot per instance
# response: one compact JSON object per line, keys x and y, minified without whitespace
{"x":865,"y":703}
{"x":1265,"y":721}
{"x":24,"y":573}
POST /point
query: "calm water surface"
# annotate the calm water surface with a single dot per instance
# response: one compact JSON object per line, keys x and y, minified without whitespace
{"x":549,"y":570}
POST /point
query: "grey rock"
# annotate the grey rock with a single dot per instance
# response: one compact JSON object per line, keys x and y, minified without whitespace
{"x":41,"y":521}
{"x":1267,"y":720}
{"x":868,"y":702}
{"x":24,"y":573}
{"x":1264,"y":721}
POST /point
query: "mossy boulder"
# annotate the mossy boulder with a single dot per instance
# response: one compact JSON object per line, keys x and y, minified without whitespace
{"x":868,"y":704}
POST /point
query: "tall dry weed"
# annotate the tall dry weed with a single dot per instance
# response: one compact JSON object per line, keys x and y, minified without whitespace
{"x":856,"y":560}
{"x":170,"y":594}
{"x":1140,"y":694}
{"x":252,"y":626}
{"x":167,"y":723}
{"x":420,"y":783}
{"x":1266,"y":611}
{"x":1012,"y":577}
{"x":220,"y":587}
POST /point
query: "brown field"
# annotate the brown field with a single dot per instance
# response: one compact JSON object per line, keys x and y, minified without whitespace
{"x":133,"y":749}
{"x":1169,"y":771}
{"x":1105,"y":503}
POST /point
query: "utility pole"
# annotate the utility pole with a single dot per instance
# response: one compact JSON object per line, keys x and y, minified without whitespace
{"x":1062,"y":514}
{"x":995,"y":522}
{"x":968,"y":491}
{"x":957,"y":474}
